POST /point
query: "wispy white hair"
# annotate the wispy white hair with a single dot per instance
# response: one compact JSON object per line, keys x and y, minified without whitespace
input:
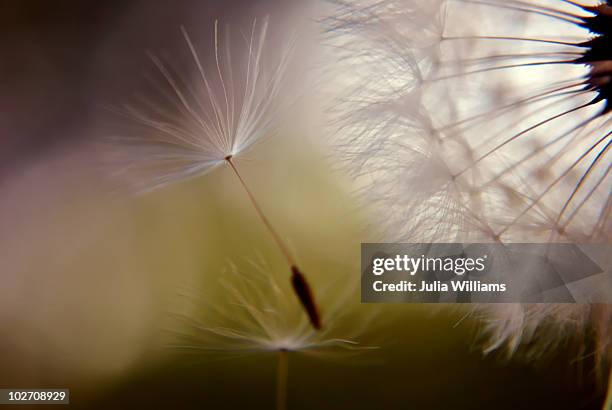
{"x":441,"y":125}
{"x":259,"y":315}
{"x":197,"y":120}
{"x":462,"y":123}
{"x":544,"y":327}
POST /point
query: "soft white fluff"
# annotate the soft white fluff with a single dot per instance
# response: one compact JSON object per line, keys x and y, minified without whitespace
{"x":192,"y":123}
{"x":450,"y":147}
{"x":258,"y":314}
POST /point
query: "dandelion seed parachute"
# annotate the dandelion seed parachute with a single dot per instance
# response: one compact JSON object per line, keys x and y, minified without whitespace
{"x":258,"y":317}
{"x":207,"y":123}
{"x":198,"y":120}
{"x":483,"y":121}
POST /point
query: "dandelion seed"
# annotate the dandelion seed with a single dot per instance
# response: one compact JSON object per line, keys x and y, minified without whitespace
{"x":258,"y":316}
{"x":208,"y":123}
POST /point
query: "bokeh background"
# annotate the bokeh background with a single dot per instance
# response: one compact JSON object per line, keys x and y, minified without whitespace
{"x":90,"y":280}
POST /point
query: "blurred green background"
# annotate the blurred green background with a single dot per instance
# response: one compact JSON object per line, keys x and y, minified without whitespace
{"x":101,"y":278}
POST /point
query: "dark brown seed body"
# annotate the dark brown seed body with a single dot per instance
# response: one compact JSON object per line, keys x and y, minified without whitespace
{"x":304,"y":293}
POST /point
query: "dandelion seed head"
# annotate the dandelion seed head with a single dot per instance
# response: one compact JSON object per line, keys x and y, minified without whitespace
{"x":519,"y":119}
{"x":496,"y":128}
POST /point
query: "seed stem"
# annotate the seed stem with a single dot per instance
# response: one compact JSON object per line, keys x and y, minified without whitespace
{"x":279,"y":242}
{"x":282,"y":375}
{"x":300,"y":284}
